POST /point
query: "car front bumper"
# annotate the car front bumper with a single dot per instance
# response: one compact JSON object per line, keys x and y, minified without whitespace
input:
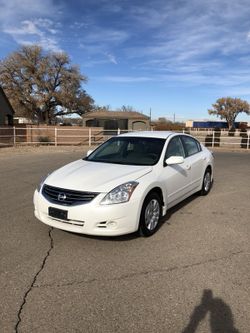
{"x":91,"y":218}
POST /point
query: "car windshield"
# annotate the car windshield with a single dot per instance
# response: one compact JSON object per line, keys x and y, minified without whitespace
{"x":129,"y":151}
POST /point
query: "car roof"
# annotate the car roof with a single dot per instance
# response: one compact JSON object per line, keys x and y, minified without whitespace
{"x":150,"y":134}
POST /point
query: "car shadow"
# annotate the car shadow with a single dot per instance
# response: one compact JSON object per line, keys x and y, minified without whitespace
{"x":164,"y":220}
{"x":176,"y":208}
{"x":122,"y":238}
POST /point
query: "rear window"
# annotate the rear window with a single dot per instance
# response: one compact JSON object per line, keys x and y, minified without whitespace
{"x":191,"y":145}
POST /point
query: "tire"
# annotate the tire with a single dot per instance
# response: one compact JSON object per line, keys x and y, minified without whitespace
{"x":150,"y":215}
{"x":206,"y":183}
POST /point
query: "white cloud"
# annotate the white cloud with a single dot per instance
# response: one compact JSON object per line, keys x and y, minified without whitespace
{"x":111,"y":58}
{"x":101,"y":42}
{"x":197,"y":42}
{"x":26,"y":27}
{"x":101,"y":35}
{"x":231,"y":81}
{"x":192,"y":42}
{"x":78,"y":25}
{"x":125,"y":79}
{"x":16,"y":10}
{"x":237,"y":91}
{"x":30,"y":21}
{"x":94,"y":62}
{"x":36,"y":31}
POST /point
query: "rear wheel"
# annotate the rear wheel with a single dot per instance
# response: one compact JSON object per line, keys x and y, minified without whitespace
{"x":207,"y":182}
{"x":150,"y":215}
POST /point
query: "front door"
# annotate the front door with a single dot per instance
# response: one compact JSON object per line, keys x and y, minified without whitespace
{"x":177,"y":178}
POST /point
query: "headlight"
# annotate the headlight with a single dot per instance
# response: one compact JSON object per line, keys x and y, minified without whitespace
{"x":119,"y":194}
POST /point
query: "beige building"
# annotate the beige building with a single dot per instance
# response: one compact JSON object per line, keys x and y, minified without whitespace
{"x":6,"y":110}
{"x":112,"y":120}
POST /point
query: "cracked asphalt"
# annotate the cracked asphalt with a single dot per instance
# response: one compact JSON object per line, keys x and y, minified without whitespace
{"x":192,"y":276}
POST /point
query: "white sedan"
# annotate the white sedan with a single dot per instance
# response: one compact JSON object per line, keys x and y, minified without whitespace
{"x":125,"y":185}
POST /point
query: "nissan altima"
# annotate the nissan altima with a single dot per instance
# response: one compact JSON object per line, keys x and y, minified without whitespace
{"x":125,"y":185}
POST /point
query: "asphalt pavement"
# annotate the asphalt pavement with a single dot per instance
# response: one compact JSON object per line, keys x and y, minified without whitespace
{"x":192,"y":276}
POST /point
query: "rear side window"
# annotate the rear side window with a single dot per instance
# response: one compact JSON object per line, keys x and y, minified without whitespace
{"x":191,"y":145}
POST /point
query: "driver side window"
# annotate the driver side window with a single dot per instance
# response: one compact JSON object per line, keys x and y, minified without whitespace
{"x":175,"y":148}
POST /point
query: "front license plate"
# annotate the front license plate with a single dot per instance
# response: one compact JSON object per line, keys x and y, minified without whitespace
{"x":58,"y":213}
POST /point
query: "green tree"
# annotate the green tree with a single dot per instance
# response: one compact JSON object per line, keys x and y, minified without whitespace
{"x":228,"y":108}
{"x":43,"y":85}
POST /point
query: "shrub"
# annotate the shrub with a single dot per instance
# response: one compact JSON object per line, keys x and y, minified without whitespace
{"x":44,"y":140}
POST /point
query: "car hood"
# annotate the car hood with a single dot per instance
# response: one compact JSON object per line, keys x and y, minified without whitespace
{"x":94,"y":176}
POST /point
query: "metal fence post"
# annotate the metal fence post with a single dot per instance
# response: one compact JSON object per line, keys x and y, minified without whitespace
{"x":89,"y":137}
{"x":55,"y":136}
{"x":248,"y":138}
{"x":118,"y":131}
{"x":213,"y":139}
{"x":14,"y":135}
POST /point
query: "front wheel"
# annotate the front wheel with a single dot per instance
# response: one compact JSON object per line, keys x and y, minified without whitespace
{"x":150,"y":215}
{"x":207,"y":182}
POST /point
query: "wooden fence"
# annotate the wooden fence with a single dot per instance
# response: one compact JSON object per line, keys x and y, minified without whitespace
{"x":77,"y":135}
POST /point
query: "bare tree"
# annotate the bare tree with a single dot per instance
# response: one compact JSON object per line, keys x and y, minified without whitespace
{"x":102,"y":108}
{"x":127,"y":108}
{"x":228,"y":108}
{"x":163,"y":124}
{"x":41,"y":86}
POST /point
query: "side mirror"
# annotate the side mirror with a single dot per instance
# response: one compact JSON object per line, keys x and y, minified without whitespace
{"x":172,"y":160}
{"x":89,"y":152}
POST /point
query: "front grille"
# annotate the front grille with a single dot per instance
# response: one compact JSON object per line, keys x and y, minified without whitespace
{"x":65,"y":197}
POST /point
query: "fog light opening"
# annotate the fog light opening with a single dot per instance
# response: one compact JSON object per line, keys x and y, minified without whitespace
{"x":111,"y":224}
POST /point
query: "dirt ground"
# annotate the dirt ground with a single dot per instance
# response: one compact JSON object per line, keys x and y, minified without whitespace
{"x":20,"y":150}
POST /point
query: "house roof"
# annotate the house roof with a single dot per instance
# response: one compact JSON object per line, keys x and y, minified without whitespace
{"x":115,"y":114}
{"x":5,"y":102}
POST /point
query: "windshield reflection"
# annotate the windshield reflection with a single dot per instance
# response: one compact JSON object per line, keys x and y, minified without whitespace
{"x":128,"y":151}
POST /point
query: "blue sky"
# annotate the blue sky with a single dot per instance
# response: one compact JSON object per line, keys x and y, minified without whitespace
{"x":173,"y":56}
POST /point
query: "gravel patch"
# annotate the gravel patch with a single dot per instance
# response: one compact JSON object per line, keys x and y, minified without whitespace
{"x":20,"y":150}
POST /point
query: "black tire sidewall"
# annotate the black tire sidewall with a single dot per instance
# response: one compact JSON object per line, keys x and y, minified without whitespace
{"x":143,"y":230}
{"x":203,"y":191}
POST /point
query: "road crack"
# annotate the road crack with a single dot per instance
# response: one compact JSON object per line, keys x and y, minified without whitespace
{"x":19,"y":315}
{"x":143,"y":273}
